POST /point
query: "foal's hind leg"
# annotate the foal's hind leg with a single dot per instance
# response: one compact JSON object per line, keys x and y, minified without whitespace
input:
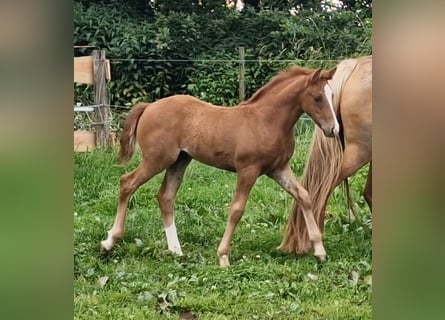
{"x":286,"y":179}
{"x":166,"y":198}
{"x":128,"y":184}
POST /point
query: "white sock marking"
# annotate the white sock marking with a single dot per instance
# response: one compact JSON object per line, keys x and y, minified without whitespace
{"x":108,"y":243}
{"x":172,"y":239}
{"x":328,"y":92}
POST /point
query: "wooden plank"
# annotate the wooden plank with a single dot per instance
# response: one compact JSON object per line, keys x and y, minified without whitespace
{"x":79,"y":47}
{"x":84,"y":141}
{"x":107,"y":70}
{"x":102,"y":120}
{"x":83,"y":70}
{"x":242,"y":71}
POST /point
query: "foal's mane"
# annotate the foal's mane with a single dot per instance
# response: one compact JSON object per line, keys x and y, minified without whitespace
{"x":277,"y":81}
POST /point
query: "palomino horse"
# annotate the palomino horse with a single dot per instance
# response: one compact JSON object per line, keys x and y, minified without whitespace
{"x":251,"y":139}
{"x":332,"y":161}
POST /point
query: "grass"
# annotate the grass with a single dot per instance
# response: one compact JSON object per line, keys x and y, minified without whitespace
{"x":141,"y":280}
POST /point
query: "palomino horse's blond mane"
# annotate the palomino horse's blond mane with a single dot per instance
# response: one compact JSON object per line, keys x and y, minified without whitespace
{"x":341,"y":75}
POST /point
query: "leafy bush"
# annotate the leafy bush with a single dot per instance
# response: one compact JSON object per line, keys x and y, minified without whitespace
{"x":168,"y":51}
{"x":216,"y":82}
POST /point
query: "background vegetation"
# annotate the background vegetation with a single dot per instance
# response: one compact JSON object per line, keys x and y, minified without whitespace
{"x":169,"y":47}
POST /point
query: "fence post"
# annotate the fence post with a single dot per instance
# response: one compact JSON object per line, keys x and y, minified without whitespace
{"x":242,"y":70}
{"x":101,"y":116}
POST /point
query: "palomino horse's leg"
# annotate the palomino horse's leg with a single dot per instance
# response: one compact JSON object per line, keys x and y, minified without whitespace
{"x":285,"y":178}
{"x":355,"y":156}
{"x":128,"y":184}
{"x":245,"y":181}
{"x":367,"y":192}
{"x":166,"y":198}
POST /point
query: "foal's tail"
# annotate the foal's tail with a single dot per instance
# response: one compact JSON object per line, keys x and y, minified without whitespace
{"x":320,"y":173}
{"x":128,"y":137}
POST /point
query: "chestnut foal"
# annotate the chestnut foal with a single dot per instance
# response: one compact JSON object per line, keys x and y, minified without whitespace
{"x":253,"y":138}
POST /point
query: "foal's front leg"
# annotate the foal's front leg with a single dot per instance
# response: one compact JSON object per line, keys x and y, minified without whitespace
{"x":245,"y":181}
{"x":286,"y":179}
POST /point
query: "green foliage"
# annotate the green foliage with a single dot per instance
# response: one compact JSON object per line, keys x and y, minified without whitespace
{"x":167,"y":51}
{"x":216,"y":82}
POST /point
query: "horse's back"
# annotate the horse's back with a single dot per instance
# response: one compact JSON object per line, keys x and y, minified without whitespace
{"x":174,"y":109}
{"x":182,"y":122}
{"x":363,"y":74}
{"x":356,"y":103}
{"x":359,"y":85}
{"x":178,"y":103}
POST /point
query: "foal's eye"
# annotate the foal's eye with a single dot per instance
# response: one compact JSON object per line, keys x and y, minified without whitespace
{"x":318,"y":98}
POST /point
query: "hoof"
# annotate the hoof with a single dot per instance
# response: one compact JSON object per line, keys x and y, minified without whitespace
{"x":224,"y":261}
{"x":319,"y":251}
{"x":176,"y":252}
{"x":104,"y":249}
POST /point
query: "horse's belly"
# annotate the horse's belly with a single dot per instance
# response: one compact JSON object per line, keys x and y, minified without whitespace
{"x":215,"y":158}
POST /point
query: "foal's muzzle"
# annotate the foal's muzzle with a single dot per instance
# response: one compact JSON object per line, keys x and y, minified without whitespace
{"x":330,"y":131}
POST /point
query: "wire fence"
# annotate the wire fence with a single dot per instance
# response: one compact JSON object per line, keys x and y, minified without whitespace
{"x":83,"y":113}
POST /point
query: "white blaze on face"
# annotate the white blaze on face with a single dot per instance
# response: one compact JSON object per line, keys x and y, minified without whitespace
{"x":328,"y":92}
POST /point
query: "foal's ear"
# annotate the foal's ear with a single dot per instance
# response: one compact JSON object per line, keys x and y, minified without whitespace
{"x":329,"y":74}
{"x":316,"y":76}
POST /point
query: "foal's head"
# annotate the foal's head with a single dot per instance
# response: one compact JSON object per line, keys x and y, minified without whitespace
{"x":316,"y":101}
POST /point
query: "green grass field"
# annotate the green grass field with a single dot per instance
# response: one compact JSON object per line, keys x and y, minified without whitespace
{"x":141,"y":280}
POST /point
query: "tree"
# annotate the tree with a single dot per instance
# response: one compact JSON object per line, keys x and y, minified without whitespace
{"x":137,"y":8}
{"x":190,"y":6}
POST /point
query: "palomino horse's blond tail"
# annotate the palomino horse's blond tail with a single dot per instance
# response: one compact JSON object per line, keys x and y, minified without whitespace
{"x":128,"y":137}
{"x":320,"y":173}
